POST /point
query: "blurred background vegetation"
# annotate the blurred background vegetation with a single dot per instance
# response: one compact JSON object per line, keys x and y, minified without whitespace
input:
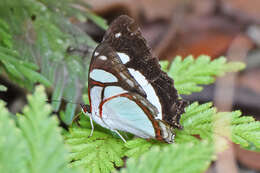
{"x":50,"y":42}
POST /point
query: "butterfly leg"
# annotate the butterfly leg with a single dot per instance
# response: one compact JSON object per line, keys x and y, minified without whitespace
{"x":86,"y":110}
{"x":114,"y":130}
{"x":92,"y":125}
{"x":119,"y":134}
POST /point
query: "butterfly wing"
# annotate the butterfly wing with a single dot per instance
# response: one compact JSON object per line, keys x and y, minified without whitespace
{"x":127,"y":89}
{"x":107,"y":68}
{"x":117,"y":100}
{"x":122,"y":112}
{"x":124,"y":36}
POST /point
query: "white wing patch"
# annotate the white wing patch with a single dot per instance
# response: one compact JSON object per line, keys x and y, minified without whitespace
{"x":124,"y":114}
{"x":117,"y":35}
{"x":124,"y":57}
{"x":150,"y":92}
{"x":129,"y":82}
{"x":120,"y":113}
{"x":102,"y":76}
{"x":112,"y":91}
{"x":102,"y":57}
{"x":96,"y":54}
{"x":95,"y":95}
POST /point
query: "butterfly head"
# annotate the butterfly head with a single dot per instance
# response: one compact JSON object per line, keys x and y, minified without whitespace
{"x":85,"y":108}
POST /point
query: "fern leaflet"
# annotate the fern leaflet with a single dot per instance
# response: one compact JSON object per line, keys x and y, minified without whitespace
{"x":46,"y":149}
{"x":3,"y":88}
{"x":190,"y":73}
{"x":14,"y":153}
{"x":205,"y":121}
{"x":98,"y":153}
{"x":173,"y":158}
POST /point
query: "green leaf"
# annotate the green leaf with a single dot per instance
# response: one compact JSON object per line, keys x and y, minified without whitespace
{"x":205,"y":121}
{"x":57,"y":93}
{"x":98,"y":153}
{"x":14,"y":152}
{"x":69,"y":113}
{"x":15,"y":66}
{"x":137,"y":147}
{"x":188,"y":74}
{"x":46,"y":149}
{"x":173,"y":158}
{"x":244,"y":129}
{"x":5,"y":36}
{"x":38,"y":34}
{"x":22,"y":70}
{"x":164,"y":65}
{"x":33,"y":76}
{"x":3,"y":88}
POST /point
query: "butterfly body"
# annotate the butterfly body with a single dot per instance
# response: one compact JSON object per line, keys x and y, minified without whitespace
{"x":127,"y":89}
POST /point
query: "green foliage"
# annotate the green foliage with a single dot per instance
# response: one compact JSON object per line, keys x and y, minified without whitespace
{"x":190,"y":73}
{"x":173,"y":158}
{"x":98,"y":153}
{"x":34,"y":41}
{"x":3,"y":88}
{"x":201,"y":121}
{"x":139,"y":146}
{"x":198,"y":119}
{"x":34,"y":38}
{"x":36,"y":145}
{"x":14,"y":152}
{"x":6,"y":37}
{"x":204,"y":120}
{"x":244,"y":129}
{"x":21,"y":71}
{"x":41,"y":149}
{"x":42,"y":135}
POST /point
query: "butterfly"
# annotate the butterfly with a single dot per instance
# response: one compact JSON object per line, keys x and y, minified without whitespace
{"x":127,"y":89}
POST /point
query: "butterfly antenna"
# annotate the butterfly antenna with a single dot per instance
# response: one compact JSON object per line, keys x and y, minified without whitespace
{"x":62,"y":99}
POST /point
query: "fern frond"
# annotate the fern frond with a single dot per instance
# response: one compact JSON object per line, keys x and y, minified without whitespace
{"x":204,"y":120}
{"x":22,"y":72}
{"x":173,"y":158}
{"x":198,"y":119}
{"x":137,"y":147}
{"x":14,"y":152}
{"x":43,"y":138}
{"x":40,"y":33}
{"x":182,"y":136}
{"x":5,"y":36}
{"x":188,"y":73}
{"x":245,"y":130}
{"x":98,"y":153}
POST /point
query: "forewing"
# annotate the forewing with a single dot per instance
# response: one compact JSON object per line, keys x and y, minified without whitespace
{"x":112,"y":71}
{"x":128,"y":88}
{"x":125,"y":37}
